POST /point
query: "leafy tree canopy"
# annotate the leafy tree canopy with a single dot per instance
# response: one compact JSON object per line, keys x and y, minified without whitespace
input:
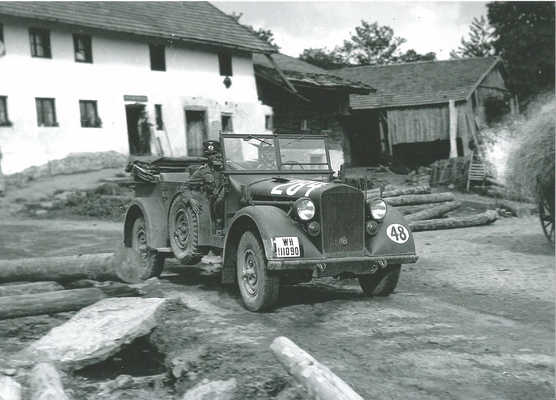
{"x":480,"y":42}
{"x":265,"y":34}
{"x":524,"y":37}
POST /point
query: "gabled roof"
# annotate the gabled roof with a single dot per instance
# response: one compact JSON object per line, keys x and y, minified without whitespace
{"x":193,"y":22}
{"x":303,"y":74}
{"x":419,"y":83}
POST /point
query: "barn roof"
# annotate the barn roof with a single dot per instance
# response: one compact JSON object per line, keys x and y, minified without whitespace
{"x":301,"y":73}
{"x":193,"y":22}
{"x":418,"y":83}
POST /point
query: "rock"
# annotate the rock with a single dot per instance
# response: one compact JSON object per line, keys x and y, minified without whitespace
{"x":215,"y":390}
{"x":211,"y":259}
{"x":124,"y":382}
{"x":46,"y":384}
{"x":9,"y":389}
{"x":96,"y":332}
{"x":187,"y":364}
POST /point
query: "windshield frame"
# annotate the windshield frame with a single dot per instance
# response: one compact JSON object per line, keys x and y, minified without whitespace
{"x":276,"y":138}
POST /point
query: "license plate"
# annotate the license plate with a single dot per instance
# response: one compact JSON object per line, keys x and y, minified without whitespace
{"x":286,"y":246}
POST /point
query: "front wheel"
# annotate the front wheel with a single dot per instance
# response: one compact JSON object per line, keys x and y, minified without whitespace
{"x":259,"y":290}
{"x":153,"y":263}
{"x":381,"y":283}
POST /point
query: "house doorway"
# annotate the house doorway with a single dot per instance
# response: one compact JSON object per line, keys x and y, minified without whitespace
{"x":196,"y":131}
{"x":132,"y":114}
{"x":365,"y":139}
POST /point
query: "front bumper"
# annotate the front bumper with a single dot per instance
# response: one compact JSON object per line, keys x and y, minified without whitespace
{"x":339,"y":265}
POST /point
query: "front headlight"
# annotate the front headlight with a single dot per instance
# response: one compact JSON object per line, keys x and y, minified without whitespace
{"x":304,"y":208}
{"x":377,"y":207}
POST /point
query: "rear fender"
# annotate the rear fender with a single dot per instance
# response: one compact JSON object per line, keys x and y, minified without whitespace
{"x":381,"y":245}
{"x":152,"y":210}
{"x":268,"y":222}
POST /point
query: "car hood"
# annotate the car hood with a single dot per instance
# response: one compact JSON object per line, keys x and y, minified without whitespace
{"x":283,"y":188}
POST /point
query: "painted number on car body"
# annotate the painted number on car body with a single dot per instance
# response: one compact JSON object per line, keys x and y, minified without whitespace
{"x":291,"y":188}
{"x":397,"y":233}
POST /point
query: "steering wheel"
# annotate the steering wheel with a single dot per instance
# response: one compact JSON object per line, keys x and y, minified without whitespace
{"x":292,"y":163}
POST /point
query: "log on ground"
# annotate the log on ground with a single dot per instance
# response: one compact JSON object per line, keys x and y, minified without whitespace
{"x":60,"y":301}
{"x":433,"y":212}
{"x":457,"y":222}
{"x":407,"y":190}
{"x":419,"y":199}
{"x":417,"y":207}
{"x":45,"y":383}
{"x":118,"y":266}
{"x":317,"y":379}
{"x":29,"y":288}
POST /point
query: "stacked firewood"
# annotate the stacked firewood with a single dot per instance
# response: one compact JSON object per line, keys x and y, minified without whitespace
{"x":426,"y":211}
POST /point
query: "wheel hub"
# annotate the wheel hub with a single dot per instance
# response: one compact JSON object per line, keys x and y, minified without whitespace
{"x":249,"y":272}
{"x":181,"y":233}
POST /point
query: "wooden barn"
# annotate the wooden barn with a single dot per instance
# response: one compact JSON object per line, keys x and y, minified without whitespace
{"x":307,"y":99}
{"x":424,"y":111}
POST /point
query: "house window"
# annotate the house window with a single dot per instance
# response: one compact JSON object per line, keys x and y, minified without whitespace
{"x":89,"y":114}
{"x":40,"y":43}
{"x":158,"y":116}
{"x":268,"y":122}
{"x":46,"y":112}
{"x":158,"y":57}
{"x":225,"y":63}
{"x":82,"y":48}
{"x":227,"y":125}
{"x":4,"y":121}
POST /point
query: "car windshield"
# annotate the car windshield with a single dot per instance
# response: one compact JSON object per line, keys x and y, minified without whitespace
{"x":259,"y":153}
{"x":303,"y":153}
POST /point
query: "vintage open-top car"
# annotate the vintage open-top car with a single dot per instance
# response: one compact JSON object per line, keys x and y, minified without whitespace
{"x":268,"y":204}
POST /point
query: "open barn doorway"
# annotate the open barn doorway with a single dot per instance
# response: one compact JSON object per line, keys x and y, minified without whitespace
{"x":364,"y":134}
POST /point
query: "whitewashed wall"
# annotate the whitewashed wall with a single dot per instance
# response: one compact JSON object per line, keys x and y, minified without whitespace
{"x":120,"y":67}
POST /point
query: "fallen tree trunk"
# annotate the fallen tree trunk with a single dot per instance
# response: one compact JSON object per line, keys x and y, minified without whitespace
{"x":45,"y":383}
{"x":433,"y":212}
{"x":60,"y":301}
{"x":317,"y":379}
{"x":408,"y":190}
{"x":120,"y":266}
{"x":417,"y":207}
{"x":419,"y":199}
{"x":29,"y":288}
{"x":9,"y":389}
{"x":456,"y":222}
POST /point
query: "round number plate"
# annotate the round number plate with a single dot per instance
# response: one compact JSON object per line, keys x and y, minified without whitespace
{"x":397,"y":233}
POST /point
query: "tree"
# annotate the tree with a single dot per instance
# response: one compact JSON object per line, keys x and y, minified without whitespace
{"x":322,"y":57}
{"x":265,"y":34}
{"x":412,"y":56}
{"x":371,"y":44}
{"x":524,"y":38}
{"x":479,"y":43}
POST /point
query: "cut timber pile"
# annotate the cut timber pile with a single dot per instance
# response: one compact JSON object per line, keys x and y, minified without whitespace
{"x":425,"y":210}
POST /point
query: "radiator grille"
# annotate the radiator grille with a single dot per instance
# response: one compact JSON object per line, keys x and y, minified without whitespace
{"x":343,"y":220}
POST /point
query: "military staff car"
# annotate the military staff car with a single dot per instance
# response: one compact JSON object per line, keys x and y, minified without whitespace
{"x":268,"y":204}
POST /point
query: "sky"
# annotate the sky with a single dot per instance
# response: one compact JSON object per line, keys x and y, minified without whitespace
{"x":297,"y":25}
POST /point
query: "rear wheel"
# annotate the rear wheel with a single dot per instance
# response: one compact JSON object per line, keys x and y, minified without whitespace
{"x":381,"y":283}
{"x":259,"y":290}
{"x":546,"y":215}
{"x":153,"y":262}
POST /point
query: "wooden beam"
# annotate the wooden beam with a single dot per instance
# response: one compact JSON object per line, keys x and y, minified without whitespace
{"x":317,"y":379}
{"x":419,"y":199}
{"x":453,"y":128}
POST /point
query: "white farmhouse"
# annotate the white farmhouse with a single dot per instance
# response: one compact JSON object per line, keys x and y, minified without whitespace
{"x":75,"y":77}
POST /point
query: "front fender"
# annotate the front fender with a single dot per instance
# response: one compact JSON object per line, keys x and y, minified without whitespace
{"x":152,"y":210}
{"x":269,"y":222}
{"x":381,"y":245}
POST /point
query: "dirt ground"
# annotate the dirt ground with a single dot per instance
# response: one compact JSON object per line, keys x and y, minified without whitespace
{"x":474,"y":318}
